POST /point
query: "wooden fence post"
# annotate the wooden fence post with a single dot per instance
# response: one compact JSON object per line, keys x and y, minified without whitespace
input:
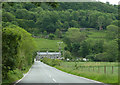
{"x":98,"y":69}
{"x":89,"y":68}
{"x":104,"y":69}
{"x":112,"y":69}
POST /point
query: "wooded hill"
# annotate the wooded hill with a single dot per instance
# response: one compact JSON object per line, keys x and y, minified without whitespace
{"x":47,"y":17}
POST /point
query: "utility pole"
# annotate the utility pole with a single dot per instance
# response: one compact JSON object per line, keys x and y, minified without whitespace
{"x":60,"y":47}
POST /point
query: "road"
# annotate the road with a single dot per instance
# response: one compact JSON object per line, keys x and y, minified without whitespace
{"x":42,"y":73}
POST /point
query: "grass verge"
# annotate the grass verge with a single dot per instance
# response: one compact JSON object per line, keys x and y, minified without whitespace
{"x":14,"y":75}
{"x":105,"y":78}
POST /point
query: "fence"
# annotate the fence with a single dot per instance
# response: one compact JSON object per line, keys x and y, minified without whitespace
{"x":100,"y":69}
{"x":97,"y":69}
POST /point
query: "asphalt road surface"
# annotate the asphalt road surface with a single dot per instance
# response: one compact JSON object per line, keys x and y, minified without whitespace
{"x":42,"y":73}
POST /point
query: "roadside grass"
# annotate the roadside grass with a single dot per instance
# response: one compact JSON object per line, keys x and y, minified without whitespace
{"x":91,"y":63}
{"x":46,"y":44}
{"x":14,"y":75}
{"x":107,"y":77}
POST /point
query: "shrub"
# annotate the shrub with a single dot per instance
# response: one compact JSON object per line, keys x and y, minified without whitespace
{"x":56,"y":62}
{"x":51,"y":62}
{"x":14,"y":75}
{"x":17,"y":50}
{"x":101,"y":57}
{"x":90,"y":57}
{"x":67,"y":55}
{"x":51,"y":36}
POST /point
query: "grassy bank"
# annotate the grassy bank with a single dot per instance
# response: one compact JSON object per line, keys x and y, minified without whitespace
{"x":83,"y":70}
{"x":90,"y":70}
{"x":51,"y":45}
{"x":105,"y":78}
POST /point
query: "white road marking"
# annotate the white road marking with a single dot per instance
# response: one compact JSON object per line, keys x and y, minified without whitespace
{"x":78,"y":76}
{"x":54,"y":80}
{"x":22,"y":77}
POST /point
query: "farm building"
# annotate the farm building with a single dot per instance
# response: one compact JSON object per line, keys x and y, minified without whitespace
{"x":52,"y":55}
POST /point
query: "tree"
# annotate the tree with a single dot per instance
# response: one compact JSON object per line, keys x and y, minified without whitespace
{"x":101,"y":57}
{"x":45,"y":33}
{"x":67,"y":55}
{"x":100,"y":21}
{"x":25,"y":14}
{"x":74,"y":23}
{"x":74,"y":35}
{"x":51,"y":36}
{"x":84,"y":49}
{"x":112,"y":32}
{"x":18,"y":48}
{"x":115,"y":22}
{"x":111,"y":50}
{"x":75,"y":49}
{"x":58,"y":33}
{"x":59,"y":24}
{"x":97,"y":47}
{"x":8,"y":17}
{"x":73,"y":38}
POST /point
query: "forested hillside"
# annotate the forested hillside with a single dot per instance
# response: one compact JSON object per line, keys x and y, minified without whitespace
{"x":41,"y":17}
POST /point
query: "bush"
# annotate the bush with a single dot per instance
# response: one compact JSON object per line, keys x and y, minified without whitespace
{"x":67,"y":55}
{"x":56,"y":62}
{"x":14,"y":75}
{"x":51,"y":36}
{"x":51,"y":62}
{"x":47,"y":60}
{"x":101,"y":57}
{"x":90,"y":57}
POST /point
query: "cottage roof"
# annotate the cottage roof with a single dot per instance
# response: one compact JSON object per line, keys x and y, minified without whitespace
{"x":48,"y":53}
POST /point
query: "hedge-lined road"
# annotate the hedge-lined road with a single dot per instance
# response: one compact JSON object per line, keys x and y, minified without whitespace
{"x":42,"y":73}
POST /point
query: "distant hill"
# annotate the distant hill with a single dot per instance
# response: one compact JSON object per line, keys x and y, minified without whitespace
{"x":99,"y":6}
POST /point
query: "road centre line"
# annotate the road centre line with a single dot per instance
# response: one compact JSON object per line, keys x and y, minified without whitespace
{"x":54,"y":80}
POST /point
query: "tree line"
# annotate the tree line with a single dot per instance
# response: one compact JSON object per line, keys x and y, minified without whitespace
{"x":38,"y":19}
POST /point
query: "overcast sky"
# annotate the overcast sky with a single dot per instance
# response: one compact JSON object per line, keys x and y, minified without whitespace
{"x":111,"y":1}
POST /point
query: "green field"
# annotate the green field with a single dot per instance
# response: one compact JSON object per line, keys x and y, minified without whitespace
{"x":97,"y":35}
{"x":46,"y":44}
{"x":106,"y":72}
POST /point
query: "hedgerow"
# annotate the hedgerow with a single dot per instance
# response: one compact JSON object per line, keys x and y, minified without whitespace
{"x":18,"y":50}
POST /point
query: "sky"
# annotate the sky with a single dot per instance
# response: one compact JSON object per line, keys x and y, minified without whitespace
{"x":111,"y":1}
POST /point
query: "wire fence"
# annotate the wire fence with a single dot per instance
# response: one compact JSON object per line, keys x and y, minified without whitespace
{"x":96,"y":69}
{"x":100,"y":69}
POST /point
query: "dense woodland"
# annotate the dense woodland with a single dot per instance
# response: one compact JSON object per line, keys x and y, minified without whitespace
{"x":45,"y":18}
{"x":89,"y":30}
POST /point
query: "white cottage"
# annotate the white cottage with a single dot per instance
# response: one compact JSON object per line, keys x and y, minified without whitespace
{"x":52,"y":55}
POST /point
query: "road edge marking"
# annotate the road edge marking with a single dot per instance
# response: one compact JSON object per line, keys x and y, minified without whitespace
{"x":79,"y":76}
{"x":22,"y":77}
{"x":76,"y":75}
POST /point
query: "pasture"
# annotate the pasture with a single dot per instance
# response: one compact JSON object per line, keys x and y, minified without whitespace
{"x":47,"y":44}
